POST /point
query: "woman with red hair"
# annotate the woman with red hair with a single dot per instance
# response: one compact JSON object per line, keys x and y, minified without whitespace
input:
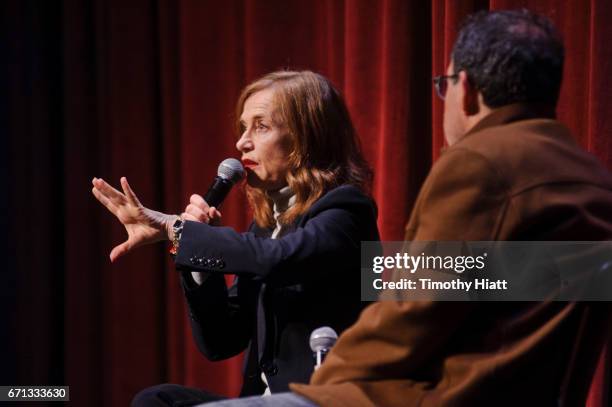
{"x":298,"y":266}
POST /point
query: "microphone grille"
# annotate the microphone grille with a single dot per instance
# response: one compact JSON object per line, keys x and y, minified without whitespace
{"x":322,"y":338}
{"x":231,"y":170}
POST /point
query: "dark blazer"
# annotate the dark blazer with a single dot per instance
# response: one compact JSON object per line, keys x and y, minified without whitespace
{"x":284,"y":289}
{"x":518,"y":175}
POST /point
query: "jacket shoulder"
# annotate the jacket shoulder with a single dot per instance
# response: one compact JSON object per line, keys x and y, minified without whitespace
{"x":344,"y":196}
{"x":348,"y":197}
{"x":536,"y":152}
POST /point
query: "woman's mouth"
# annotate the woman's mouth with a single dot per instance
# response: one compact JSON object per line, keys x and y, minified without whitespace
{"x":249,"y":163}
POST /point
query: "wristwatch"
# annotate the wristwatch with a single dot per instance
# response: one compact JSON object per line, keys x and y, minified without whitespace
{"x":177,"y":230}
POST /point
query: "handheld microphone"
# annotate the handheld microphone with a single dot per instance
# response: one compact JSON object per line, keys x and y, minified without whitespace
{"x":321,"y":341}
{"x":230,"y":171}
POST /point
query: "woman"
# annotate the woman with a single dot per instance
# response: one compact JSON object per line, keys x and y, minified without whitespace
{"x":298,"y":266}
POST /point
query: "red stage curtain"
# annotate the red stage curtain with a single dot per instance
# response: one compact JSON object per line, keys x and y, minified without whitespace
{"x":146,"y":89}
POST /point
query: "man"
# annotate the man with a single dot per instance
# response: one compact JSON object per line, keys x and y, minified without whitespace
{"x":511,"y":172}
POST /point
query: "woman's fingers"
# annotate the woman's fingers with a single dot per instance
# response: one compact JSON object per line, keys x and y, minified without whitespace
{"x":131,"y":196}
{"x":143,"y":225}
{"x":214,"y":216}
{"x":188,"y":216}
{"x":199,"y":209}
{"x":196,"y":212}
{"x":198,"y":201}
{"x":109,"y":192}
{"x":120,"y":250}
{"x":104,"y":201}
{"x":213,"y":213}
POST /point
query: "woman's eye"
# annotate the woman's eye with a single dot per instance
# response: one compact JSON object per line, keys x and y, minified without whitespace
{"x":261,"y":126}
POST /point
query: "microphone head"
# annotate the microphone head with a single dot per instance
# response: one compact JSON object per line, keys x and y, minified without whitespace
{"x":231,"y":170}
{"x":322,"y":338}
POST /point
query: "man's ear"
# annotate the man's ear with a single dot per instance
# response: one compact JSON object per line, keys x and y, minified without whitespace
{"x":470,"y":95}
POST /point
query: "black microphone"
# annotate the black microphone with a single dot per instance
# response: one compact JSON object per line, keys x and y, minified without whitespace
{"x":321,"y":341}
{"x":230,"y":171}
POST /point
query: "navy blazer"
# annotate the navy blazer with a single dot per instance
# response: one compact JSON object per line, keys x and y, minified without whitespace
{"x":284,"y":288}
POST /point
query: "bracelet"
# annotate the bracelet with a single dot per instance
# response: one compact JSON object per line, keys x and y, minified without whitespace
{"x":177,"y":230}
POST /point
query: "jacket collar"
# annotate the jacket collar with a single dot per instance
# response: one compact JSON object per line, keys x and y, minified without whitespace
{"x":512,"y":113}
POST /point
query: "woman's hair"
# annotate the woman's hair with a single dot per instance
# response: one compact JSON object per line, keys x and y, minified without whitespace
{"x":325,"y":148}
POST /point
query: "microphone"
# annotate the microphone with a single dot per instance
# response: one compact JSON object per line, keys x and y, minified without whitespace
{"x":321,"y":341}
{"x":230,"y":171}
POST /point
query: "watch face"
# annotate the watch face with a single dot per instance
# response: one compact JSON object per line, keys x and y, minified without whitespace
{"x":177,"y":228}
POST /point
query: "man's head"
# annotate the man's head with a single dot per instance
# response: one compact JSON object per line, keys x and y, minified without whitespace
{"x":500,"y":58}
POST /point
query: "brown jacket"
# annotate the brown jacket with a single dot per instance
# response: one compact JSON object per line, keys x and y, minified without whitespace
{"x":518,"y":175}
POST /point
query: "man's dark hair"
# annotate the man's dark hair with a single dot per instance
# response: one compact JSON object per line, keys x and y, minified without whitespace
{"x":510,"y":56}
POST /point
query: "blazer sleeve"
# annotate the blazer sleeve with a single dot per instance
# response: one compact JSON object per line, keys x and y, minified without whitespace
{"x":317,"y":246}
{"x":221,"y":318}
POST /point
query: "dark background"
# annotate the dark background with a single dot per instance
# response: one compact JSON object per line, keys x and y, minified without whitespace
{"x":146,"y":89}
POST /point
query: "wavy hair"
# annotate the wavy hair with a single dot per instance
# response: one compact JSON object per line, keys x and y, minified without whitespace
{"x":325,"y":148}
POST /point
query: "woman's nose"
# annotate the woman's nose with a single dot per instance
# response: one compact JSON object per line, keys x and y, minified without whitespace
{"x":245,"y":143}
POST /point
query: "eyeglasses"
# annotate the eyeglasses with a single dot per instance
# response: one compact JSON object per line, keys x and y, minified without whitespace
{"x":441,"y":84}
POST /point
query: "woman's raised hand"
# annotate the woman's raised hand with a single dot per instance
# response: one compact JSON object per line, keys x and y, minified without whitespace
{"x":143,"y":225}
